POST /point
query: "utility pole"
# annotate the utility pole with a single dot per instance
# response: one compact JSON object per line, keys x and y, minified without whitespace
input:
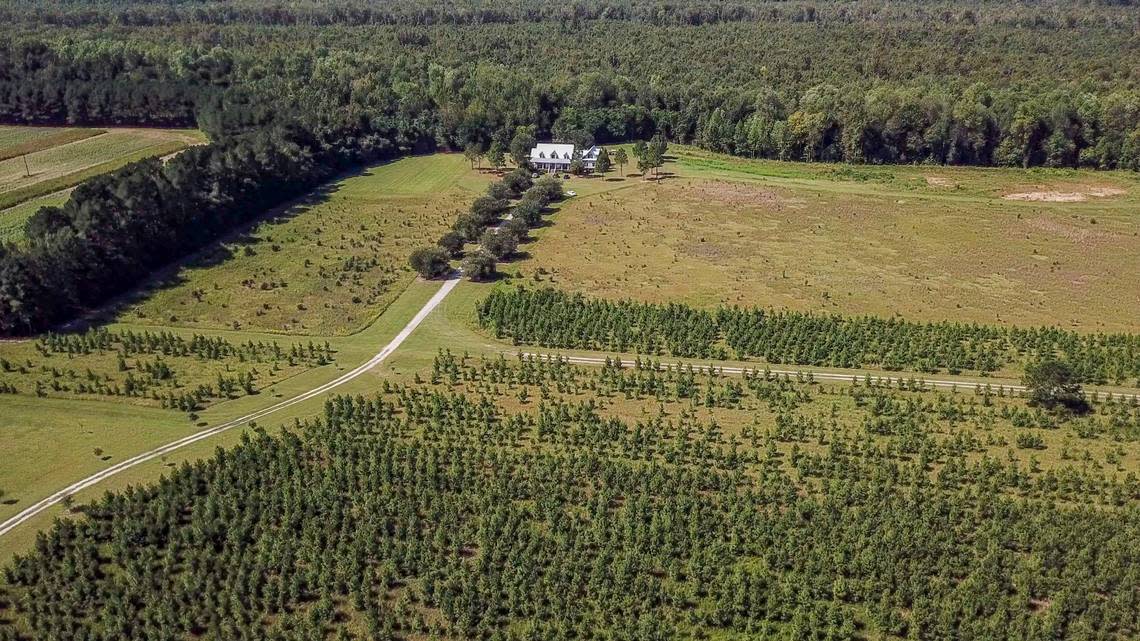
{"x":27,"y":172}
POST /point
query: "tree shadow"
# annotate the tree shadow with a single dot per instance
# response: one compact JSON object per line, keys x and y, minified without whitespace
{"x":496,"y":277}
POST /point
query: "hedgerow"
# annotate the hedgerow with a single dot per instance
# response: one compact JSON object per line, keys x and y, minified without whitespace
{"x":551,"y":318}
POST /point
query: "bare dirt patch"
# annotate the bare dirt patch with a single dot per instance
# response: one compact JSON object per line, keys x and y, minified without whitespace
{"x":1076,"y":196}
{"x":1075,"y":234}
{"x":940,"y":181}
{"x":734,"y":193}
{"x":713,"y":252}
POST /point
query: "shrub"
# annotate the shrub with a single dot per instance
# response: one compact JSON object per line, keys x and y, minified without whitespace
{"x":479,"y":266}
{"x":487,"y":208}
{"x":430,"y":262}
{"x":516,"y":227}
{"x":528,"y":210}
{"x":452,"y":242}
{"x":549,"y":187}
{"x":499,"y":244}
{"x":468,"y":226}
{"x":518,"y":181}
{"x":500,"y":191}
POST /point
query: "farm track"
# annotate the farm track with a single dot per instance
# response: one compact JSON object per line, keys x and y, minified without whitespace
{"x":37,"y":508}
{"x":830,"y":376}
{"x":452,"y":281}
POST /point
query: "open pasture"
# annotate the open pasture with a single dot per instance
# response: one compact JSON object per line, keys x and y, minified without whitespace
{"x":1038,"y":247}
{"x":60,"y":158}
{"x":325,"y":266}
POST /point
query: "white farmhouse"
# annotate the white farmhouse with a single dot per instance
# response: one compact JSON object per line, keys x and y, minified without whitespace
{"x":555,"y":156}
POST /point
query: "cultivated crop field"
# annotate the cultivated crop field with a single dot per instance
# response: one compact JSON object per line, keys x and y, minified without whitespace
{"x":994,"y":246}
{"x":60,"y":158}
{"x":18,"y":141}
{"x":326,"y":266}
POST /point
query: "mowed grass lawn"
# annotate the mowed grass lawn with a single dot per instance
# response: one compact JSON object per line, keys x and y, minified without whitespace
{"x":326,"y":266}
{"x":61,"y":158}
{"x":928,"y":243}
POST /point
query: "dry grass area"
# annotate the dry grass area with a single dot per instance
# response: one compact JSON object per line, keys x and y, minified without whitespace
{"x":71,"y":156}
{"x":1080,"y":194}
{"x":950,"y":248}
{"x":42,"y":161}
{"x":326,"y":266}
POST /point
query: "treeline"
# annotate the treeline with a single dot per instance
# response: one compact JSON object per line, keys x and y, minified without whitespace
{"x":551,"y":318}
{"x":427,"y":513}
{"x":1075,"y":104}
{"x":1062,"y":128}
{"x":483,"y":223}
{"x":285,"y":116}
{"x":109,"y":84}
{"x":117,"y":228}
{"x":140,"y":13}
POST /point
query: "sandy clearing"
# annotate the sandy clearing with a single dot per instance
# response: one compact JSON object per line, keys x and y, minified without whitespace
{"x":940,"y":181}
{"x":1065,"y":196}
{"x":734,"y":193}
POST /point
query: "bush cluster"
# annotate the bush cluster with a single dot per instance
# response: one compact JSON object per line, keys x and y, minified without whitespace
{"x":551,"y":318}
{"x":483,"y":224}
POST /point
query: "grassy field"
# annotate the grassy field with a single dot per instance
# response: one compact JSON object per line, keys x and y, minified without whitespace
{"x":13,"y":219}
{"x":397,"y":206}
{"x":324,"y":267}
{"x":18,"y":141}
{"x":376,"y":217}
{"x":60,"y":158}
{"x":49,"y":442}
{"x":926,"y":243}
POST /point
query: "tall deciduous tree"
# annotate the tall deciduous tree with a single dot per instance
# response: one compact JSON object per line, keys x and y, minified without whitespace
{"x":521,"y":144}
{"x":1051,"y":383}
{"x":621,"y":158}
{"x":496,"y":155}
{"x":429,"y":262}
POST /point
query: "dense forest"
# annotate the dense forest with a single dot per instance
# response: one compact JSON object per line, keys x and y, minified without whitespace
{"x":290,"y":95}
{"x":965,"y":83}
{"x":436,"y":511}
